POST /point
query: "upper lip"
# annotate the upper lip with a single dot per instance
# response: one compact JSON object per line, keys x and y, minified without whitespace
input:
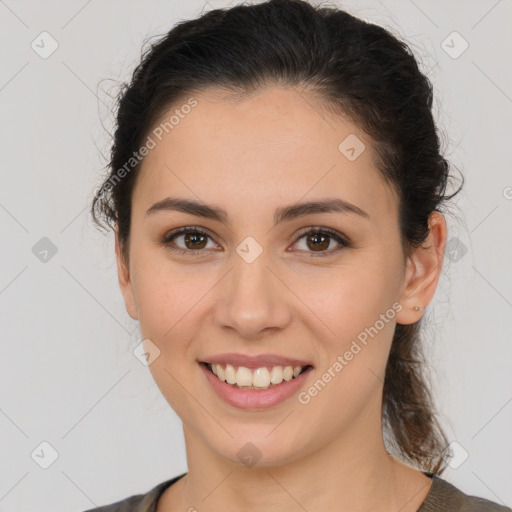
{"x":255,"y":361}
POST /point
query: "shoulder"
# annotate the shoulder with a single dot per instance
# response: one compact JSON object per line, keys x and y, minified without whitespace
{"x":145,"y":502}
{"x":131,"y":504}
{"x":443,"y":496}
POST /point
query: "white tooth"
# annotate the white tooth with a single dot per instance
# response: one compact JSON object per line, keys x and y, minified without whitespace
{"x":220,"y":372}
{"x":244,"y":376}
{"x":288,"y":373}
{"x":214,"y":368}
{"x":261,"y":378}
{"x":296,"y":371}
{"x":230,"y":374}
{"x":276,"y":375}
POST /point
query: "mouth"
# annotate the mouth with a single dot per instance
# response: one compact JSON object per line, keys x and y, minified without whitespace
{"x":255,"y":381}
{"x":261,"y":378}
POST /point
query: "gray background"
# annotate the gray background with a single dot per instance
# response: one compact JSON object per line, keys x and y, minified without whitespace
{"x":68,"y":374}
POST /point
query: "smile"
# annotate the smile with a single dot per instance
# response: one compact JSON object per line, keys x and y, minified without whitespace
{"x":261,"y":378}
{"x":260,"y":387}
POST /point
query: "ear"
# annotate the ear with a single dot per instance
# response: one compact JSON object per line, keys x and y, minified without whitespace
{"x":422,"y":272}
{"x":125,"y":284}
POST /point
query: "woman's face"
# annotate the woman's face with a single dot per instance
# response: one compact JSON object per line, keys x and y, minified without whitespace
{"x":253,"y":287}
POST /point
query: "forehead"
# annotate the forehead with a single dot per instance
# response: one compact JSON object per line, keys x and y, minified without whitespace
{"x":277,"y":145}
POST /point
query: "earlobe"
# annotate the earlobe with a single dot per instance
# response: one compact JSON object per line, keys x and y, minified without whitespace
{"x":423,"y":271}
{"x":125,"y":283}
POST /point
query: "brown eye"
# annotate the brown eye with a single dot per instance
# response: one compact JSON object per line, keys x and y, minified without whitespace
{"x":194,"y":240}
{"x":318,"y":240}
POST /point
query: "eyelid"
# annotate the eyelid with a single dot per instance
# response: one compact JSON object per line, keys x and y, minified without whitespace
{"x":340,"y":238}
{"x":168,"y":237}
{"x":324,"y":229}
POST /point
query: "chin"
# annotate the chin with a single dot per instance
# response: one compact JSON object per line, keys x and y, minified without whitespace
{"x":256,"y":448}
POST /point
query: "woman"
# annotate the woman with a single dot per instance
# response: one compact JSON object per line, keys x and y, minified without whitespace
{"x":276,"y":188}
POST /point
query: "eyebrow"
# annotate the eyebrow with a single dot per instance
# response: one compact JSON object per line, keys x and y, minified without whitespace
{"x":287,"y":213}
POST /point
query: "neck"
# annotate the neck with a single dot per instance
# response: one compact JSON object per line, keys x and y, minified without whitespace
{"x":353,"y":472}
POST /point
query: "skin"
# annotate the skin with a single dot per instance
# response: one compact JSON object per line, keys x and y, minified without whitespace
{"x":250,"y":156}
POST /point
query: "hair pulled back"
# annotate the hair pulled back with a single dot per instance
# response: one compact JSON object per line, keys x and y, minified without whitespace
{"x":360,"y":70}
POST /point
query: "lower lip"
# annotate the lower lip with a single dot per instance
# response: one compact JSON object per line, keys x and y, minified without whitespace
{"x":251,"y":398}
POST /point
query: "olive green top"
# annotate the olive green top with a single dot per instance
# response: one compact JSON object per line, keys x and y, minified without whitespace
{"x":442,"y":497}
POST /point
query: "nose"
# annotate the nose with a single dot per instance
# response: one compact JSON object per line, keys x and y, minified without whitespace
{"x":253,"y":299}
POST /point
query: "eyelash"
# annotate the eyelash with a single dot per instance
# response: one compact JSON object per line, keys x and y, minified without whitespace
{"x":344,"y":242}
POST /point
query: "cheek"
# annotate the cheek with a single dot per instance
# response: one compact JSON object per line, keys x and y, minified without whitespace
{"x":167,"y":301}
{"x":349,"y":297}
{"x":347,"y":383}
{"x":356,"y":304}
{"x":165,"y":294}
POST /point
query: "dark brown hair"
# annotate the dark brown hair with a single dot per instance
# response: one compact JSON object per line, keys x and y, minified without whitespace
{"x":359,"y":70}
